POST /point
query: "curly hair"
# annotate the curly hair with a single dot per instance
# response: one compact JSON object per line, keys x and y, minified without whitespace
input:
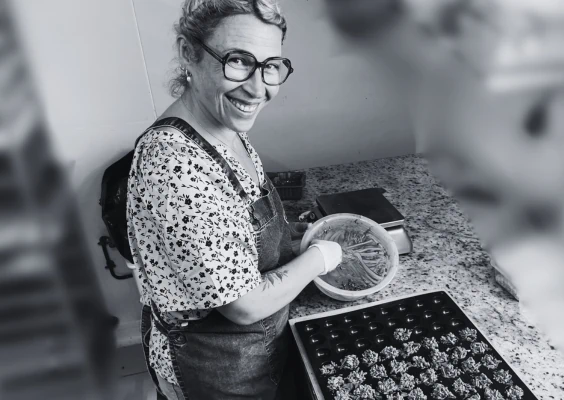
{"x":200,"y":18}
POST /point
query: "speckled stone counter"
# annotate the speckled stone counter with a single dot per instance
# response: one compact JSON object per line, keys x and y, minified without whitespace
{"x":446,"y":255}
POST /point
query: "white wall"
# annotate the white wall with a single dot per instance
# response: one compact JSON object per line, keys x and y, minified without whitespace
{"x":337,"y":107}
{"x":89,"y":66}
{"x":103,"y":66}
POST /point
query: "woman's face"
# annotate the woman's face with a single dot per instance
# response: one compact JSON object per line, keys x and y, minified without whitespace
{"x":227,"y":104}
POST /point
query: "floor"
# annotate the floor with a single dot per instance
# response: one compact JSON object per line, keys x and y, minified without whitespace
{"x":135,"y":387}
{"x":134,"y":382}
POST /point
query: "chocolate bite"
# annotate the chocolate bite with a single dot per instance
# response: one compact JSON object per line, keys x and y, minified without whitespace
{"x":441,"y":392}
{"x":468,"y":334}
{"x":329,"y":369}
{"x":350,"y":362}
{"x":369,"y":357}
{"x":402,"y":334}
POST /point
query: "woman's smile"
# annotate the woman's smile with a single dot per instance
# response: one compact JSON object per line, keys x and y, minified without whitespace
{"x":245,"y":108}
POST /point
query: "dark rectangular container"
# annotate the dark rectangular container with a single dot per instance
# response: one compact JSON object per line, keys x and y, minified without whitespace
{"x":289,"y":185}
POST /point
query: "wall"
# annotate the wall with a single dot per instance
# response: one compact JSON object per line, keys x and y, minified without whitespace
{"x":102,"y":68}
{"x":337,"y":107}
{"x":89,"y":67}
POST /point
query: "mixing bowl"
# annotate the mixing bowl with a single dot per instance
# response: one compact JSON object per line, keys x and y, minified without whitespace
{"x":370,"y":256}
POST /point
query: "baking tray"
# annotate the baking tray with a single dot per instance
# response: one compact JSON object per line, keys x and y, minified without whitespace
{"x":372,"y":326}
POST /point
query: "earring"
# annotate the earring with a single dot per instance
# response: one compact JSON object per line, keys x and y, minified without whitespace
{"x":187,"y":74}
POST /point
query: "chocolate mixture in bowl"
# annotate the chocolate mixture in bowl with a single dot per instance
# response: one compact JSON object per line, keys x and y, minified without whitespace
{"x":365,"y":261}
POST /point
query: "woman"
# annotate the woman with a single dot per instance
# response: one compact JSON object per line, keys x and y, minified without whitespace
{"x":207,"y":229}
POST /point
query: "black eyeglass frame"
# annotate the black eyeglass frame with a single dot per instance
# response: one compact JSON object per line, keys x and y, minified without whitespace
{"x":261,"y":65}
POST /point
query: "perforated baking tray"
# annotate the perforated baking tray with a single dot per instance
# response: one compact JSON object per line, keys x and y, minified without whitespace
{"x":328,"y":337}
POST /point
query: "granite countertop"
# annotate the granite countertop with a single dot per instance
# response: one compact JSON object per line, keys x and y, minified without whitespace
{"x":446,"y":256}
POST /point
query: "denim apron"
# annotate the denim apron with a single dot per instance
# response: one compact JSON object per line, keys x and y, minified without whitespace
{"x":214,"y":358}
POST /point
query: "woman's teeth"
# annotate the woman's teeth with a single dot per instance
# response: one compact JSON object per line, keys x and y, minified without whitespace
{"x":243,"y":107}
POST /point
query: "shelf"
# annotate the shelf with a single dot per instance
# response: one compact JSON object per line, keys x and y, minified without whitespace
{"x":29,"y":300}
{"x":15,"y":134}
{"x":36,"y":264}
{"x":20,"y":233}
{"x":49,"y":321}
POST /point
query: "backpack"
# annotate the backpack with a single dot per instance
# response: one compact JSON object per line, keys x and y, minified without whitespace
{"x":113,"y":200}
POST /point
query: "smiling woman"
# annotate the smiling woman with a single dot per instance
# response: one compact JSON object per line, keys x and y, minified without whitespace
{"x":234,"y":34}
{"x":206,"y":227}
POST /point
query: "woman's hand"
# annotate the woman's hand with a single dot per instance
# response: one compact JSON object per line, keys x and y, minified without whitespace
{"x":298,"y":229}
{"x":332,"y":254}
{"x":297,"y":232}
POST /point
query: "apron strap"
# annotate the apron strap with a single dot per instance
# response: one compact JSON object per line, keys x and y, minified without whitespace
{"x":262,"y":210}
{"x":182,"y":126}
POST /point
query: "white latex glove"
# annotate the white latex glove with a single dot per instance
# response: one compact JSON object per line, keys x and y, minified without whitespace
{"x":332,"y":254}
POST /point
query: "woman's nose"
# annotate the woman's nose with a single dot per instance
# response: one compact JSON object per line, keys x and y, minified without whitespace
{"x":255,"y":86}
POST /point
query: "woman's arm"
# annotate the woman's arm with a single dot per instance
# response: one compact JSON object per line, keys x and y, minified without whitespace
{"x":278,"y":288}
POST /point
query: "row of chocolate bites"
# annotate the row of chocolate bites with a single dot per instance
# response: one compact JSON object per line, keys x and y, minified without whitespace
{"x":395,"y":383}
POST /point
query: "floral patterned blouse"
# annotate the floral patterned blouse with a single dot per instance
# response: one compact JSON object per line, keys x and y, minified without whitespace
{"x":189,"y":232}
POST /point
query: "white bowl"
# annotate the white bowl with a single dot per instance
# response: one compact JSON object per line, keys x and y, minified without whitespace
{"x":367,"y":226}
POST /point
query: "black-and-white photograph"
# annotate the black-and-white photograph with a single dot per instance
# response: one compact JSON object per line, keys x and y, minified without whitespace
{"x":281,"y":199}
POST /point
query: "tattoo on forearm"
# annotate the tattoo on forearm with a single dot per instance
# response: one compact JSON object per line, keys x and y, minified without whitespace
{"x":270,"y":278}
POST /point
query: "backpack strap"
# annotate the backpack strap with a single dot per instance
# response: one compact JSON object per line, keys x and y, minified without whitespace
{"x":182,"y":126}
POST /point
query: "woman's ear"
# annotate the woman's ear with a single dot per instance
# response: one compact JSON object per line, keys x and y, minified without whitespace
{"x":185,"y":52}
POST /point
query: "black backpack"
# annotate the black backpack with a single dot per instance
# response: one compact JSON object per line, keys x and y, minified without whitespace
{"x":113,"y":199}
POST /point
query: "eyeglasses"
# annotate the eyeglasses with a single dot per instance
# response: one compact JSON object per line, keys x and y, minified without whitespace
{"x":238,"y":66}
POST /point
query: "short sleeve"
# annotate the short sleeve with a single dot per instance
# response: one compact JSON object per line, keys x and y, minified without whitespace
{"x":203,"y":226}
